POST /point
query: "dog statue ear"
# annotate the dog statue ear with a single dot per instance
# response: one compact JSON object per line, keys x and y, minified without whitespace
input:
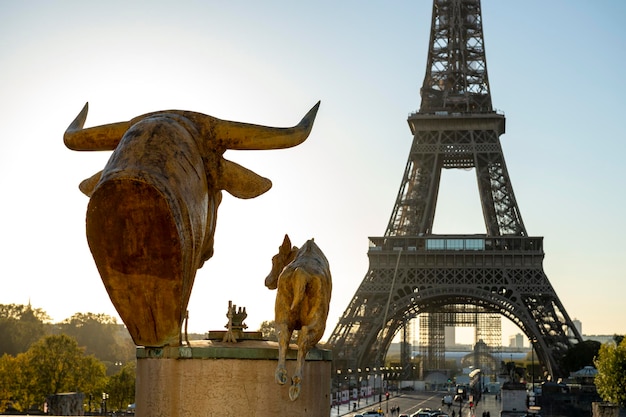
{"x":286,"y":246}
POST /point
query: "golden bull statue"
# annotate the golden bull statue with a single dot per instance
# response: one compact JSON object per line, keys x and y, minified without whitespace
{"x":153,"y":208}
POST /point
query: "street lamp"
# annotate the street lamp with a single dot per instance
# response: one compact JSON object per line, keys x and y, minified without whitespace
{"x":367,"y":370}
{"x":105,"y":397}
{"x":349,"y":379}
{"x":532,"y":364}
{"x":358,"y":392}
{"x":387,"y":392}
{"x":380,"y":393}
{"x":399,"y":380}
{"x":375,"y":376}
{"x":338,"y":390}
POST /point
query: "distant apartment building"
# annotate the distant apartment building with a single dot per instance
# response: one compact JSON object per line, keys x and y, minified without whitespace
{"x":579,"y":326}
{"x":516,"y":341}
{"x":450,"y":335}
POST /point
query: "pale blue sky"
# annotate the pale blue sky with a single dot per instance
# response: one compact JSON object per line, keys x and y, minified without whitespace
{"x":556,"y":69}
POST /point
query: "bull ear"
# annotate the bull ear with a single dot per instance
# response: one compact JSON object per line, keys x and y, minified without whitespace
{"x":240,"y":181}
{"x":88,"y":185}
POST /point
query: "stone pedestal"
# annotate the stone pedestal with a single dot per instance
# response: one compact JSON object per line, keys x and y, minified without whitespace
{"x":604,"y":409}
{"x":211,"y":379}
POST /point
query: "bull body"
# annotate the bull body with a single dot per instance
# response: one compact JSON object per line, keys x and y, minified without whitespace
{"x":302,"y":277}
{"x":153,"y":208}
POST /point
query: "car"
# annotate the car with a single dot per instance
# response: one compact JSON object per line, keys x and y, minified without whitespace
{"x":372,"y":413}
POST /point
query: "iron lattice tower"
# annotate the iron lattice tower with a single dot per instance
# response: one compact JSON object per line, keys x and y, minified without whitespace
{"x":411,"y":270}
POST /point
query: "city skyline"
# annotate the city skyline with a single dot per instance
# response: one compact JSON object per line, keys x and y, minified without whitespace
{"x":553,"y":70}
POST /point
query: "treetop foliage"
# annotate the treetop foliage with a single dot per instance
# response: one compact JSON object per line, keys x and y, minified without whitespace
{"x":83,"y":319}
{"x":38,"y":358}
{"x":611,"y":378}
{"x":98,"y":334}
{"x":21,"y":311}
{"x":580,"y":355}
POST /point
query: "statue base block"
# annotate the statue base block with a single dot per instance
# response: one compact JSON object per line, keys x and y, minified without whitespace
{"x":212,"y":378}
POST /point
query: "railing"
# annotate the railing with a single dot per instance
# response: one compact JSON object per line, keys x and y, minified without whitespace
{"x":456,"y":243}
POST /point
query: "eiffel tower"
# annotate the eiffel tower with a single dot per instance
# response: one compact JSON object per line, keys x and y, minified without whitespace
{"x":413,"y":271}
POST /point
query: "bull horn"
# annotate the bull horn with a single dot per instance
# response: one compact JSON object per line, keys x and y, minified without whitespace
{"x":99,"y":138}
{"x":245,"y":136}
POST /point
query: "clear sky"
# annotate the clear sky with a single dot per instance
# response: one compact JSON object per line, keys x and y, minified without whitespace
{"x":556,"y":69}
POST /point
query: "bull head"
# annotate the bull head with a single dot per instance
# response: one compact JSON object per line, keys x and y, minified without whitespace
{"x":153,"y":208}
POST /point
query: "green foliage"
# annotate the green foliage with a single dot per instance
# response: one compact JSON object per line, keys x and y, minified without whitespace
{"x":121,"y":387}
{"x":20,"y":327}
{"x":77,"y":356}
{"x":52,"y":365}
{"x":100,"y":335}
{"x":57,"y":364}
{"x":611,"y":379}
{"x":269,"y":332}
{"x":18,"y":311}
{"x":8,"y":382}
{"x":580,"y":355}
{"x":15,"y":379}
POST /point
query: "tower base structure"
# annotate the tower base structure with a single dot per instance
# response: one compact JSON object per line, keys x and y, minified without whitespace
{"x":209,"y":378}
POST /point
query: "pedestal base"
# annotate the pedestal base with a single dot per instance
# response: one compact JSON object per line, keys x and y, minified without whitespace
{"x":212,"y":379}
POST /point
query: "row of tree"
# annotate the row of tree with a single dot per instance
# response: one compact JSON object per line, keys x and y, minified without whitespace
{"x":93,"y":354}
{"x":57,"y":364}
{"x":88,"y":353}
{"x":99,"y":334}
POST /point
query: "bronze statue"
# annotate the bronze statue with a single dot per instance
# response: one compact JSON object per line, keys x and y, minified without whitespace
{"x":153,"y":208}
{"x":304,"y":284}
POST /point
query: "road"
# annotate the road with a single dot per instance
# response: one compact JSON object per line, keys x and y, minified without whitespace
{"x":410,"y":402}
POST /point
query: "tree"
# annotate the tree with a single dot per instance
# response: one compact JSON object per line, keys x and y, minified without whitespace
{"x":121,"y":387}
{"x":16,"y":311}
{"x":269,"y":332}
{"x":611,"y":379}
{"x":56,"y":364}
{"x":14,"y":380}
{"x":20,"y":326}
{"x":101,"y":336}
{"x":8,"y":382}
{"x":580,"y":355}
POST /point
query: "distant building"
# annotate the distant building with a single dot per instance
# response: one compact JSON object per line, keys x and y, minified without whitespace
{"x":579,"y":326}
{"x":602,"y":338}
{"x":516,"y":341}
{"x":450,"y":334}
